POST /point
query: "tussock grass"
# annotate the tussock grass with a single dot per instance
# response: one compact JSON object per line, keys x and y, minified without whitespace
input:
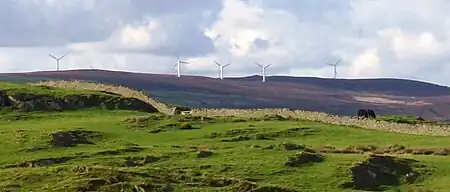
{"x":421,"y":129}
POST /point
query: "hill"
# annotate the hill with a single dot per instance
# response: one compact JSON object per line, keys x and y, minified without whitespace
{"x":33,"y":98}
{"x":94,"y":148}
{"x":337,"y":96}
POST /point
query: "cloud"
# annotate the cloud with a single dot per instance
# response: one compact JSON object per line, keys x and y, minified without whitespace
{"x":374,"y":38}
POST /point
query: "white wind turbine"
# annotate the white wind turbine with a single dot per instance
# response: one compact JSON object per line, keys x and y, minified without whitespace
{"x":263,"y":68}
{"x":57,"y":60}
{"x":334,"y":68}
{"x":221,"y":67}
{"x":178,"y":66}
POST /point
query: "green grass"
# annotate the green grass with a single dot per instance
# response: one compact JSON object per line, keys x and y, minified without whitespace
{"x":405,"y":120}
{"x":18,"y":89}
{"x":240,"y":160}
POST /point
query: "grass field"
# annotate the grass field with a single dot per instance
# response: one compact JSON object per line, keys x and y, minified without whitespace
{"x":126,"y":150}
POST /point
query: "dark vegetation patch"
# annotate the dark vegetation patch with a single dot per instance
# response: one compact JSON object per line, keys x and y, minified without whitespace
{"x":74,"y":137}
{"x":304,"y":158}
{"x":391,"y":149}
{"x":205,"y":154}
{"x":41,"y":162}
{"x":379,"y":171}
{"x":143,"y":122}
{"x":252,"y":133}
{"x":132,"y":149}
{"x":134,"y":161}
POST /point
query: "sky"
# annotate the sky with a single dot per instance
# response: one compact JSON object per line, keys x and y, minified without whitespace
{"x":372,"y":38}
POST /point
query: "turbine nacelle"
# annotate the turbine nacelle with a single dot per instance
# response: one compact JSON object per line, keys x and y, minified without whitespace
{"x":263,"y":71}
{"x":178,"y":65}
{"x":57,"y":60}
{"x":334,"y":65}
{"x":221,"y":67}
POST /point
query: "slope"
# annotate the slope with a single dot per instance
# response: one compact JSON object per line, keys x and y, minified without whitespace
{"x":344,"y":97}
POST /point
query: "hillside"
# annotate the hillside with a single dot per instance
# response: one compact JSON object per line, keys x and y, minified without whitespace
{"x":33,"y":98}
{"x":337,"y":96}
{"x":92,"y":148}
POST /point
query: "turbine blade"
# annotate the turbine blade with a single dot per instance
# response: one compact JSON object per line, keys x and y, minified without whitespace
{"x":227,"y":65}
{"x":259,"y":64}
{"x":267,"y":66}
{"x":52,"y":56}
{"x":338,"y":62}
{"x":62,"y":56}
{"x":178,"y":58}
{"x":217,"y":63}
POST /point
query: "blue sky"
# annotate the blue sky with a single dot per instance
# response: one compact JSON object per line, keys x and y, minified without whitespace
{"x":374,"y":38}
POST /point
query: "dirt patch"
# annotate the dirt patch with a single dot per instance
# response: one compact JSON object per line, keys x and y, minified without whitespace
{"x":142,"y":122}
{"x":304,"y":158}
{"x":252,"y":133}
{"x":235,"y":132}
{"x":41,"y":162}
{"x":121,"y":151}
{"x":141,"y":160}
{"x":379,"y":171}
{"x":74,"y":137}
{"x":245,"y":186}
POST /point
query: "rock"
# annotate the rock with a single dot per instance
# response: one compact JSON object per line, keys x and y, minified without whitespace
{"x":304,"y":158}
{"x":204,"y":154}
{"x":54,"y":105}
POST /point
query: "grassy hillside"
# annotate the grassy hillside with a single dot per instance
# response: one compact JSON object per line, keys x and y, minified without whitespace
{"x":91,"y":149}
{"x":26,"y":98}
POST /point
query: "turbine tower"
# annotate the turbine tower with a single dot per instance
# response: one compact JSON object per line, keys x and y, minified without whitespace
{"x":178,"y":66}
{"x":334,"y":68}
{"x":221,"y":67}
{"x":57,"y":60}
{"x":263,"y":68}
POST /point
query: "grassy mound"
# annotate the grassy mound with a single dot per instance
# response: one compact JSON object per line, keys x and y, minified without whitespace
{"x":27,"y":98}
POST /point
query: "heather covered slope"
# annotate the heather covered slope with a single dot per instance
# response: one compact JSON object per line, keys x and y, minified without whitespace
{"x":344,"y":97}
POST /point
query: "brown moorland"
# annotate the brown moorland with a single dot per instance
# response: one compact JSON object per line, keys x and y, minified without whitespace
{"x":337,"y":96}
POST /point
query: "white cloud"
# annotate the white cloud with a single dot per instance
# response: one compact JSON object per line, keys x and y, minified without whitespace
{"x":396,"y":38}
{"x":367,"y":64}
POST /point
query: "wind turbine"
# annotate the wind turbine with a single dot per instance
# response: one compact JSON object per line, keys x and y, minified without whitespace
{"x":178,"y":66}
{"x":263,"y":68}
{"x":221,"y":68}
{"x":57,"y":60}
{"x":334,"y":68}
